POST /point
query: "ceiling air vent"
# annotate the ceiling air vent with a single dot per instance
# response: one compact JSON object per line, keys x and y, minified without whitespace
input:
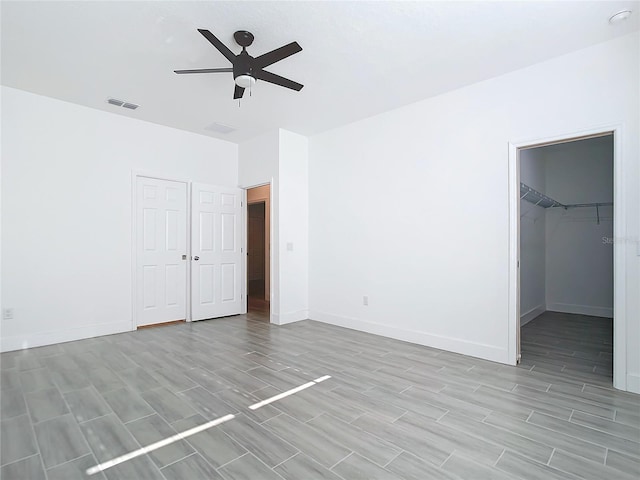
{"x":122,"y":103}
{"x":220,"y":128}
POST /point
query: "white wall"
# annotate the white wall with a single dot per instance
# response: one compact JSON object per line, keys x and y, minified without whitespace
{"x":258,"y":161}
{"x":66,"y":211}
{"x":532,"y":240}
{"x":281,"y":158}
{"x":433,"y":255}
{"x":294,"y":227}
{"x":579,"y":264}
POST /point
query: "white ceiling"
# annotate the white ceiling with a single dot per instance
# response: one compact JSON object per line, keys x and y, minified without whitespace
{"x":359,"y":58}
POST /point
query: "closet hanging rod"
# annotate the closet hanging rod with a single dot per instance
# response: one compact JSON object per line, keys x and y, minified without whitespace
{"x":597,"y":205}
{"x":579,"y":205}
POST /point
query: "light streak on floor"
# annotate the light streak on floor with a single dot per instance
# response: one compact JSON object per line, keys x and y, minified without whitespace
{"x":200,"y":428}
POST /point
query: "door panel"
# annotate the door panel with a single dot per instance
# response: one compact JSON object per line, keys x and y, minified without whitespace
{"x":216,"y":243}
{"x":149,"y":286}
{"x":228,"y":278}
{"x":173,"y":230}
{"x":161,"y":273}
{"x":207,"y":227}
{"x":206,"y":287}
{"x":229,"y":224}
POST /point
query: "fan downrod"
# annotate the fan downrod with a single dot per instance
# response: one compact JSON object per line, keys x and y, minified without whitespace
{"x":243,"y":38}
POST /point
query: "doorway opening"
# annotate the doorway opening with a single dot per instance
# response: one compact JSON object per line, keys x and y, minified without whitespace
{"x":258,"y":252}
{"x":564,"y":258}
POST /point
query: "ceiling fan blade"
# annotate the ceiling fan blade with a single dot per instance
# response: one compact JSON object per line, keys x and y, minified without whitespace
{"x":206,"y":70}
{"x":238,"y":92}
{"x":222,"y":48}
{"x":277,"y":55}
{"x":278,"y":80}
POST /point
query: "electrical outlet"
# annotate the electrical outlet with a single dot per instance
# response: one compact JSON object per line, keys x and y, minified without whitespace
{"x":365,"y":300}
{"x":7,"y":313}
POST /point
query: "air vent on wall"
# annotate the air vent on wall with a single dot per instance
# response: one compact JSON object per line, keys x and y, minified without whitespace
{"x":122,"y":103}
{"x":220,"y":128}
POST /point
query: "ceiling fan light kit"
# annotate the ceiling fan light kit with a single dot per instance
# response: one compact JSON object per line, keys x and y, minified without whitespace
{"x":247,"y":69}
{"x":245,"y":81}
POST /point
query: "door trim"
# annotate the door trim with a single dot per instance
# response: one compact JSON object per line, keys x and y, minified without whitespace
{"x":619,"y":247}
{"x":135,"y":174}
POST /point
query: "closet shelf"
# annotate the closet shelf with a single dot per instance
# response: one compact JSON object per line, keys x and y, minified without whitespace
{"x":531,"y":195}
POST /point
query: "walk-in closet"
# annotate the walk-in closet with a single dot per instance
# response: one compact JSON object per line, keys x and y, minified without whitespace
{"x":566,"y":257}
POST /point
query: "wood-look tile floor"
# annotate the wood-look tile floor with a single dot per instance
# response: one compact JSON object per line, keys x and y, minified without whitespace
{"x":391,"y":410}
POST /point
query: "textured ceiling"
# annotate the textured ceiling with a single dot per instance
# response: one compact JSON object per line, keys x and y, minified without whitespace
{"x":359,"y":58}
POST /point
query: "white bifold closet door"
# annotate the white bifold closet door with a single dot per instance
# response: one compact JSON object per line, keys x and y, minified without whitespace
{"x":216,"y":237}
{"x":161,"y":242}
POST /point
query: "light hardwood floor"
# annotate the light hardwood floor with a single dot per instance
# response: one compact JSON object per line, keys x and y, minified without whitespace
{"x":391,"y":410}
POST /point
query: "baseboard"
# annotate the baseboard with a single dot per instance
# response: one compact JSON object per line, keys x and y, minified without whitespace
{"x":606,"y":312}
{"x":289,"y":317}
{"x":19,"y":342}
{"x":464,"y":347}
{"x":633,"y":383}
{"x":531,"y":314}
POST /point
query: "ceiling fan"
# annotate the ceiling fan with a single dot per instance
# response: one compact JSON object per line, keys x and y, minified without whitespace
{"x":247,"y":69}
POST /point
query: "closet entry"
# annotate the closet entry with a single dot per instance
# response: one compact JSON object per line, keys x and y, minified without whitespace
{"x":567,"y":256}
{"x":259,"y":251}
{"x":172,"y":247}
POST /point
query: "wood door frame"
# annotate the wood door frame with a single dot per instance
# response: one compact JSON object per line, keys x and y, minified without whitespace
{"x":619,"y":248}
{"x":264,"y":242}
{"x":268,"y":254}
{"x":135,"y":174}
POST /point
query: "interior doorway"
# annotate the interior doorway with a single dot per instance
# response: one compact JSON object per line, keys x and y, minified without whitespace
{"x":564,"y":258}
{"x":258,"y":251}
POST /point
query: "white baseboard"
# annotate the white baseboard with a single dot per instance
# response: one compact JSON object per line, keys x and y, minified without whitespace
{"x":19,"y":342}
{"x":606,"y":312}
{"x":289,"y":317}
{"x":531,"y":314}
{"x":633,"y":383}
{"x":465,"y":347}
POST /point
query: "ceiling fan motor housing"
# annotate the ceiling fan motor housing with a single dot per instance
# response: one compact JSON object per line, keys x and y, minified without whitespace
{"x":243,"y":65}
